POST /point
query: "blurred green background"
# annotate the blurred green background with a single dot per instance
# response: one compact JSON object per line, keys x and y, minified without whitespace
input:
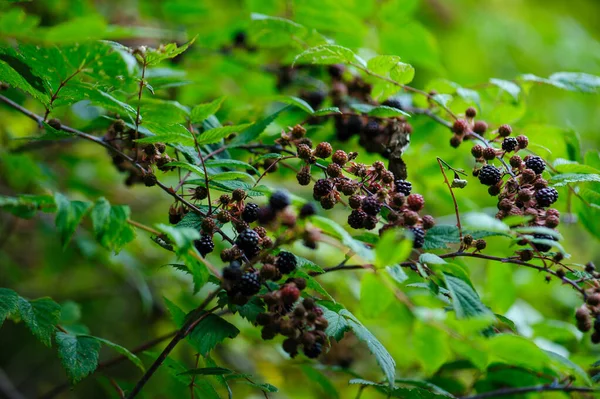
{"x":121,"y":297}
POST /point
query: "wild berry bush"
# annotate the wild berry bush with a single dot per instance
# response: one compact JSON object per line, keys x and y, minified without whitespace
{"x":272,"y":208}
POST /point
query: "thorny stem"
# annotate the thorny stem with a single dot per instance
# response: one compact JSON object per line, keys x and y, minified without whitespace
{"x":191,"y":129}
{"x":62,"y":84}
{"x":440,"y":161}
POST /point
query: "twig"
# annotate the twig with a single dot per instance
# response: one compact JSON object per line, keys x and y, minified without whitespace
{"x":137,"y":112}
{"x":191,"y":129}
{"x":440,"y":161}
{"x":62,"y":84}
{"x":536,"y":388}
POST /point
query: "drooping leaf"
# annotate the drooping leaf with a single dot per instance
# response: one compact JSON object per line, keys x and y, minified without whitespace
{"x":202,"y":111}
{"x":297,"y":102}
{"x":219,"y":133}
{"x":211,"y":331}
{"x":327,"y":54}
{"x":465,"y":300}
{"x":110,"y":225}
{"x":8,"y":303}
{"x":563,"y":179}
{"x":121,"y":350}
{"x":251,"y":133}
{"x":68,"y":216}
{"x":375,"y":295}
{"x":392,"y":248}
{"x":41,"y":317}
{"x":171,"y":50}
{"x":510,"y":87}
{"x":78,"y":355}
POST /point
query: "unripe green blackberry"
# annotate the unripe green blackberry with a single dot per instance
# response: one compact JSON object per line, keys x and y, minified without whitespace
{"x":286,"y":262}
{"x":224,"y":199}
{"x":238,"y":194}
{"x":523,"y":141}
{"x":480,"y":245}
{"x":471,"y":112}
{"x":355,"y":201}
{"x":150,"y":180}
{"x":489,"y":153}
{"x":357,"y":218}
{"x":504,"y":130}
{"x":224,"y":216}
{"x":323,"y":150}
{"x":340,"y":157}
{"x":535,"y":163}
{"x":460,"y":126}
{"x":510,"y":144}
{"x":480,"y":127}
{"x":415,"y":202}
{"x":334,"y":170}
{"x":327,"y":202}
{"x":477,"y":151}
{"x":489,"y":175}
{"x":304,"y":151}
{"x":516,"y":161}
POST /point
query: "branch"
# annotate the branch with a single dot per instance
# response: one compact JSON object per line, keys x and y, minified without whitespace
{"x":536,"y":388}
{"x":440,"y":161}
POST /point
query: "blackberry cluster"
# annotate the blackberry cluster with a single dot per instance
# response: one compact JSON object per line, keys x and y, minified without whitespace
{"x":121,"y":137}
{"x":587,"y":316}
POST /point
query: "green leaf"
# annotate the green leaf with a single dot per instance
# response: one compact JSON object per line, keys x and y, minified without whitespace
{"x":171,"y":50}
{"x":183,"y":237}
{"x":380,"y":111}
{"x":397,"y":273}
{"x":465,"y":300}
{"x":202,"y":111}
{"x":566,"y":166}
{"x":26,"y":206}
{"x":431,"y":347}
{"x":392,"y":248}
{"x":211,"y":331}
{"x":327,"y":387}
{"x":177,"y":134}
{"x":119,"y":349}
{"x":208,"y":371}
{"x":375,"y":296}
{"x":229,"y":163}
{"x":565,"y":178}
{"x":327,"y":111}
{"x":68,"y":216}
{"x":390,"y":66}
{"x":572,"y":81}
{"x":41,"y":316}
{"x":439,"y":236}
{"x":328,"y":54}
{"x":8,"y":303}
{"x":251,"y":133}
{"x":232,"y":175}
{"x":538,"y":230}
{"x":510,"y":87}
{"x":517,"y":351}
{"x":295,"y":101}
{"x":337,"y":324}
{"x":219,"y":133}
{"x":15,"y":71}
{"x":187,"y":166}
{"x":177,"y":314}
{"x":270,"y":32}
{"x":78,"y":355}
{"x":485,"y":222}
{"x":330,"y":227}
{"x":110,"y":225}
{"x":431,"y":259}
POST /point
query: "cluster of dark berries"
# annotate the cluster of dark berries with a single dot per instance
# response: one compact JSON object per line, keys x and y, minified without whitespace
{"x":302,"y":323}
{"x":122,"y":138}
{"x":469,"y":242}
{"x":587,"y":315}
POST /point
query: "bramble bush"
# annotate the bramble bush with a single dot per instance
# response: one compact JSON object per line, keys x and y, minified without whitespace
{"x":304,"y":232}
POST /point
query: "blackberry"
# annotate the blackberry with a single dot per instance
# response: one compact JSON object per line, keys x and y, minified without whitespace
{"x":340,"y":157}
{"x":415,"y":202}
{"x":204,"y":245}
{"x":370,"y":222}
{"x":249,"y":284}
{"x":505,"y":130}
{"x":392,"y":102}
{"x":489,"y":153}
{"x":536,"y":164}
{"x":477,"y":151}
{"x":356,"y":219}
{"x":279,"y":200}
{"x":328,"y":202}
{"x":314,"y":98}
{"x":247,"y":241}
{"x":510,"y":144}
{"x":233,"y":272}
{"x":323,"y":150}
{"x":460,"y":126}
{"x":371,"y":206}
{"x":336,"y":70}
{"x":250,"y":213}
{"x":489,"y":175}
{"x":372,"y":128}
{"x":314,"y":350}
{"x":418,"y":237}
{"x":480,"y":127}
{"x":403,"y":186}
{"x":150,"y":180}
{"x":303,"y":176}
{"x":546,"y":196}
{"x":471,"y":112}
{"x":308,"y":209}
{"x":322,"y":187}
{"x":542,"y":247}
{"x":286,"y":262}
{"x":523,"y":141}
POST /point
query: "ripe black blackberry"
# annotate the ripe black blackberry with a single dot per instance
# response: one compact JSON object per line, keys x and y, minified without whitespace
{"x":510,"y":144}
{"x":392,"y":102}
{"x":418,"y":237}
{"x":233,"y":272}
{"x":322,"y":188}
{"x":250,"y":213}
{"x":357,"y":218}
{"x":371,"y":206}
{"x":546,"y":196}
{"x":279,"y":200}
{"x":489,"y":175}
{"x":247,"y":241}
{"x":536,"y":164}
{"x":249,"y":284}
{"x":313,"y":351}
{"x":308,"y":209}
{"x":372,"y":128}
{"x":286,"y":262}
{"x":403,"y":186}
{"x":541,"y":246}
{"x":204,"y":245}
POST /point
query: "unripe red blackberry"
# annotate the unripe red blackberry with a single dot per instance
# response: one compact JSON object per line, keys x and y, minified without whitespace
{"x":238,"y":194}
{"x":370,"y":222}
{"x":279,"y":200}
{"x":460,"y":126}
{"x":327,"y":202}
{"x":535,"y":163}
{"x":504,"y":130}
{"x":403,"y":186}
{"x":546,"y":196}
{"x":524,"y":195}
{"x":415,"y":202}
{"x":357,"y":218}
{"x":552,"y":212}
{"x":489,"y":175}
{"x":428,"y":222}
{"x":477,"y":151}
{"x":387,"y":177}
{"x":340,"y":157}
{"x":471,"y":112}
{"x":322,"y":188}
{"x":249,"y":284}
{"x":523,"y":141}
{"x":289,"y":294}
{"x":348,"y":187}
{"x":355,"y":201}
{"x":593,"y":300}
{"x":286,"y":262}
{"x":304,"y":151}
{"x":418,"y":237}
{"x":509,"y":144}
{"x":307,"y":210}
{"x":371,"y":206}
{"x":480,"y":127}
{"x":334,"y":170}
{"x":526,"y":255}
{"x":489,"y":153}
{"x":323,"y":150}
{"x":411,"y":218}
{"x":516,"y":161}
{"x":455,"y":141}
{"x":150,"y":180}
{"x":398,"y":199}
{"x":480,"y":245}
{"x":378,"y":166}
